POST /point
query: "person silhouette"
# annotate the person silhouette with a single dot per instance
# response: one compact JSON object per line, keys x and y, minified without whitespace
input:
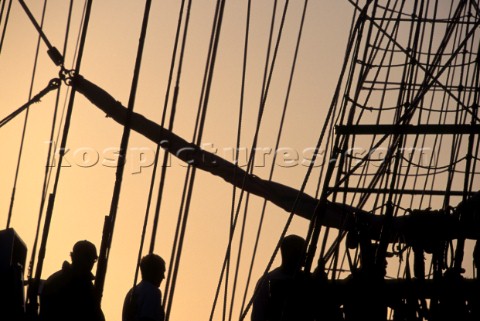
{"x":367,"y":297}
{"x":69,"y":294}
{"x":143,"y":302}
{"x":284,"y":293}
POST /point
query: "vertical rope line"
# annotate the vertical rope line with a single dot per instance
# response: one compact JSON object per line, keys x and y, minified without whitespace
{"x":252,"y":155}
{"x":329,"y":142}
{"x":442,"y":119}
{"x":199,"y":126}
{"x":48,"y":168}
{"x":405,"y":95}
{"x":239,"y":256}
{"x":459,"y":116}
{"x":475,"y":100}
{"x":207,"y":68}
{"x":251,"y":160}
{"x":25,"y":122}
{"x":284,"y":111}
{"x":429,"y":115}
{"x":314,"y":229}
{"x":111,"y":218}
{"x":7,"y":16}
{"x":157,"y":153}
{"x":72,"y":95}
{"x":320,"y":140}
{"x":365,"y":69}
{"x":464,"y":77}
{"x":164,"y":167}
{"x":32,"y":305}
{"x":240,"y":116}
{"x":175,"y":255}
{"x":2,"y":10}
{"x":416,"y":175}
{"x":74,"y":58}
{"x":172,"y":274}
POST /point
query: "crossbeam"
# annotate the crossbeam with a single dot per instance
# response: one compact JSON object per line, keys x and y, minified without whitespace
{"x":396,"y":191}
{"x":449,"y":129}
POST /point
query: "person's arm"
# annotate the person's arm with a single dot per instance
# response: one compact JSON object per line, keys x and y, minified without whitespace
{"x":260,"y":301}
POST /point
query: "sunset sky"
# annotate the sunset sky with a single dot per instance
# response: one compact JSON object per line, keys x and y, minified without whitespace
{"x":88,"y":176}
{"x":86,"y":185}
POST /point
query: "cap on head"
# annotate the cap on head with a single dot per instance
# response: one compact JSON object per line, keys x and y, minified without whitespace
{"x":85,"y":249}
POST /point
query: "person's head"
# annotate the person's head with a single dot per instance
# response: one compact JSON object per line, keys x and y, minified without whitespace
{"x":84,"y":255}
{"x":152,"y":267}
{"x":293,"y":252}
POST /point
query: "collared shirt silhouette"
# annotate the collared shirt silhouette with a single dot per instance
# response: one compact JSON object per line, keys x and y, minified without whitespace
{"x":69,"y":294}
{"x":144,"y":301}
{"x":284,"y":293}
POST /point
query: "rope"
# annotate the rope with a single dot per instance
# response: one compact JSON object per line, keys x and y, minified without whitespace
{"x":32,"y":304}
{"x":459,"y":250}
{"x":51,"y":202}
{"x":173,"y":111}
{"x":198,"y":132}
{"x":165,"y":159}
{"x":176,"y":93}
{"x":111,"y":218}
{"x":47,"y":167}
{"x":175,"y":255}
{"x":49,"y":156}
{"x":4,"y":31}
{"x":52,"y":85}
{"x":409,"y":113}
{"x":438,"y":56}
{"x":66,"y":126}
{"x":330,"y":139}
{"x":438,"y":139}
{"x":265,"y":87}
{"x":237,"y":147}
{"x":249,"y":169}
{"x":309,"y":170}
{"x":277,"y":144}
{"x":53,"y":53}
{"x":238,"y":139}
{"x":264,"y":90}
{"x":25,"y":122}
{"x":315,"y":228}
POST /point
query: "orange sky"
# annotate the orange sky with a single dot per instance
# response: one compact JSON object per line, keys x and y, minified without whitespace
{"x":86,"y":184}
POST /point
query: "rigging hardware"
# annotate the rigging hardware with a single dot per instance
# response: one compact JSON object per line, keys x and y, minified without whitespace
{"x":53,"y":52}
{"x":53,"y":84}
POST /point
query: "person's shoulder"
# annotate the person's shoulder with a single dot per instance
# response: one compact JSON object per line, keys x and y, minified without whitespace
{"x":146,"y":287}
{"x":277,"y":273}
{"x":59,"y":278}
{"x":129,"y":294}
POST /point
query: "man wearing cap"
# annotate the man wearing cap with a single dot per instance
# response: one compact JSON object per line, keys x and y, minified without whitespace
{"x":69,"y":294}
